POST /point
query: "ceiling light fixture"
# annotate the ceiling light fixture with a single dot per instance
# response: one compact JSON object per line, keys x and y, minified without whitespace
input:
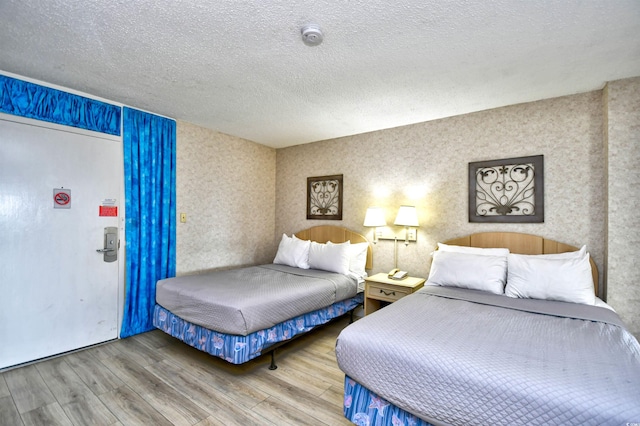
{"x":311,"y":35}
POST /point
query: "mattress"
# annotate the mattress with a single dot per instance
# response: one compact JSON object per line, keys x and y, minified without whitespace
{"x":460,"y":357}
{"x":245,"y":300}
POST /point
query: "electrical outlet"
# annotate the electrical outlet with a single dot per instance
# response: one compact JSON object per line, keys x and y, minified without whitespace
{"x":183,"y":217}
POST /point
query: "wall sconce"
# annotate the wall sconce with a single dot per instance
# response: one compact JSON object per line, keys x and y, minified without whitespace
{"x":373,"y":219}
{"x":407,"y":217}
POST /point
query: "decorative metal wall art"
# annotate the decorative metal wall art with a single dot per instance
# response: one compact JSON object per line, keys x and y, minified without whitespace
{"x":508,"y":190}
{"x":324,"y":197}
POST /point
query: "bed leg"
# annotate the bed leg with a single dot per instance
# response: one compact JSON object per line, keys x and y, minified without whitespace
{"x":351,"y":314}
{"x":273,"y":365}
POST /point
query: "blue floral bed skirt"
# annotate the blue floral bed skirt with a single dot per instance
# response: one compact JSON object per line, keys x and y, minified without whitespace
{"x":240,"y":349}
{"x":365,"y":408}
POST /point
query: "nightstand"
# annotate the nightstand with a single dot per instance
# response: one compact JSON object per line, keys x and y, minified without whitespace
{"x":380,"y":290}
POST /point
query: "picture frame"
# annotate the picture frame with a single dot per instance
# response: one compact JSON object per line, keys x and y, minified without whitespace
{"x":509,"y":190}
{"x":324,"y":197}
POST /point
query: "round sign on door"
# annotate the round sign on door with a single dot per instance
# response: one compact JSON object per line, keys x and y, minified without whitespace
{"x":61,"y":198}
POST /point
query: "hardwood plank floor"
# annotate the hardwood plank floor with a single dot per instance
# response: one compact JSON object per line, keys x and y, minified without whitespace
{"x":153,"y":379}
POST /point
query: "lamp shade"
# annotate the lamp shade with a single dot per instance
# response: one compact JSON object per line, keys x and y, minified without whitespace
{"x":407,"y":216}
{"x":374,"y":217}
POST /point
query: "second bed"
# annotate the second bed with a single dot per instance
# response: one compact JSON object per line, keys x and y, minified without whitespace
{"x":239,"y":314}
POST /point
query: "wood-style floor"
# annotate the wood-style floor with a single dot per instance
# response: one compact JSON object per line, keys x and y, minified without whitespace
{"x":153,"y":379}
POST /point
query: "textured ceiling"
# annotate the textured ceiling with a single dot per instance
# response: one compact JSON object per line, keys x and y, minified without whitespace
{"x":240,"y":67}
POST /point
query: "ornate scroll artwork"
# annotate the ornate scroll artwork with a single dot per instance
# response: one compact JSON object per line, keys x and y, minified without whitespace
{"x":324,"y":197}
{"x":508,"y":190}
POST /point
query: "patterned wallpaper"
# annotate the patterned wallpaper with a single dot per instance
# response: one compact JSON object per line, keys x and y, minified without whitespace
{"x":226,"y":186}
{"x":426,"y":165}
{"x":623,"y":156}
{"x":240,"y":196}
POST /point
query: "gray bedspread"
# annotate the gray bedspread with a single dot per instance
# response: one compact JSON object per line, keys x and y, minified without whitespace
{"x":245,"y":300}
{"x":452,"y":358}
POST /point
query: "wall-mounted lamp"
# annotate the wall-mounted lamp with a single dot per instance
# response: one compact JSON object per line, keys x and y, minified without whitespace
{"x":373,"y":219}
{"x":407,"y":217}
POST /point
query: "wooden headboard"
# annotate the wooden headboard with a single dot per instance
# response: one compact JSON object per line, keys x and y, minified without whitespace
{"x":521,"y":244}
{"x":335,"y":234}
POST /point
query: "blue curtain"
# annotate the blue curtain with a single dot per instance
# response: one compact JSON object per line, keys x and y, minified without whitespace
{"x":30,"y":100}
{"x":150,"y":204}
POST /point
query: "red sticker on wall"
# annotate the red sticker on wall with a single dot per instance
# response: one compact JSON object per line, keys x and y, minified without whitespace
{"x":108,"y":210}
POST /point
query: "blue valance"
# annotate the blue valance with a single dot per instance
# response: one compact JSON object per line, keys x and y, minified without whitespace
{"x":31,"y":100}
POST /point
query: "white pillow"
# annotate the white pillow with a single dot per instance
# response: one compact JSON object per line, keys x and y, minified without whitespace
{"x":468,"y":270}
{"x":358,"y":258}
{"x":330,"y":257}
{"x":539,"y":277}
{"x":473,"y":250}
{"x":293,"y":251}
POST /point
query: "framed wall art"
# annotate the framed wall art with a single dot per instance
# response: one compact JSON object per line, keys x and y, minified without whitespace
{"x":510,"y":190}
{"x":324,"y":197}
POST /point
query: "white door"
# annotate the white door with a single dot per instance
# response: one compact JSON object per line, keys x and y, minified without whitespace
{"x":56,"y":292}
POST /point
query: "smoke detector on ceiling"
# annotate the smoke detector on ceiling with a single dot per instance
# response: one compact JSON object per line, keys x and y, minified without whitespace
{"x":311,"y":35}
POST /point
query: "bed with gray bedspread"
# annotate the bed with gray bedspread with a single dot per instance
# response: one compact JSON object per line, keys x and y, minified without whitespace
{"x":239,"y":314}
{"x":242,"y":301}
{"x":459,"y":357}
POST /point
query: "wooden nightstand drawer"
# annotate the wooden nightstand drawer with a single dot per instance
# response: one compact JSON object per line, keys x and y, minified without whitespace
{"x":381,"y":290}
{"x":386,"y":292}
